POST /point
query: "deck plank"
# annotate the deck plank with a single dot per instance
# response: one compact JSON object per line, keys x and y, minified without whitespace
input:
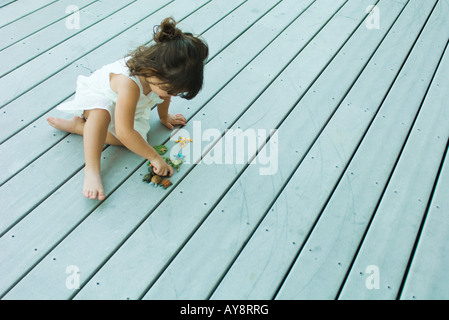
{"x":342,"y":118}
{"x":427,"y":278}
{"x":256,"y":274}
{"x":137,"y":162}
{"x":146,"y":269}
{"x":35,"y":156}
{"x":44,"y":66}
{"x":19,"y":9}
{"x":16,"y":115}
{"x":37,"y":35}
{"x":22,"y":29}
{"x":245,"y":204}
{"x":348,"y":211}
{"x":4,"y":3}
{"x":69,"y":165}
{"x":200,"y":185}
{"x":392,"y":232}
{"x":71,"y":145}
{"x":135,"y":184}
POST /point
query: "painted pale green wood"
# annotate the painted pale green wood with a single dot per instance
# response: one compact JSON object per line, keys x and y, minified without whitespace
{"x":65,"y":148}
{"x":231,"y":115}
{"x":389,"y":241}
{"x":27,"y":145}
{"x":29,"y":45}
{"x":60,"y":170}
{"x":347,"y":214}
{"x":138,"y":177}
{"x":20,"y":206}
{"x":19,"y":9}
{"x":136,"y":188}
{"x":33,"y":237}
{"x":42,"y":134}
{"x":21,"y":30}
{"x":61,"y":77}
{"x":428,"y":278}
{"x":39,"y":179}
{"x":31,"y":74}
{"x":123,"y":244}
{"x":38,"y":131}
{"x":260,"y":267}
{"x":18,"y":182}
{"x":4,"y":3}
{"x":244,"y":205}
{"x":209,"y":189}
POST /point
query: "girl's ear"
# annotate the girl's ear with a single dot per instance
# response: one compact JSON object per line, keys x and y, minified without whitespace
{"x":148,"y":73}
{"x":154,"y":80}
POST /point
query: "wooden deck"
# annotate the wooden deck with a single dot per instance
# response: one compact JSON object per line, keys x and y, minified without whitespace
{"x":343,"y":192}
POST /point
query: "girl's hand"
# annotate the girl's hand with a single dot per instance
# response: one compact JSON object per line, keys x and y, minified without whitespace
{"x":170,"y":120}
{"x":160,"y":167}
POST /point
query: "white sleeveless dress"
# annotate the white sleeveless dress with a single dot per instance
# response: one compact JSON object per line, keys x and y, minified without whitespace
{"x":94,"y":92}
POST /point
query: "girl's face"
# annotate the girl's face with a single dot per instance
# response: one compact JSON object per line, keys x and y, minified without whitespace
{"x":153,"y":83}
{"x":161,"y":93}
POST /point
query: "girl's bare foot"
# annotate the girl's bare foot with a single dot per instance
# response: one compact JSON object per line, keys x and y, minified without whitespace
{"x":74,"y":125}
{"x":93,"y":187}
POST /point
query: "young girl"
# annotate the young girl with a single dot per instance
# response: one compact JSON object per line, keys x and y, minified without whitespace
{"x":113,"y":105}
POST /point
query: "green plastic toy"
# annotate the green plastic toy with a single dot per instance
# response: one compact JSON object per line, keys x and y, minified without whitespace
{"x":150,"y":177}
{"x":175,"y":163}
{"x":161,"y":149}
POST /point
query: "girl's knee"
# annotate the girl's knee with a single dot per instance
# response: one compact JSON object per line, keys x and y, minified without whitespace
{"x":97,"y":114}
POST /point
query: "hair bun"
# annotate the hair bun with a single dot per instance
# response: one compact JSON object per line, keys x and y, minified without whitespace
{"x":166,"y":31}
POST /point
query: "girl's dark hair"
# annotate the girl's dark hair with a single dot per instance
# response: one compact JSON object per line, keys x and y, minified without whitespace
{"x":176,"y":58}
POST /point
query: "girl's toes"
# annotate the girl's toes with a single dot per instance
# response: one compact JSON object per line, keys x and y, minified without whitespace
{"x":51,"y":121}
{"x":94,"y":194}
{"x":101,"y":195}
{"x":93,"y":187}
{"x":88,"y":194}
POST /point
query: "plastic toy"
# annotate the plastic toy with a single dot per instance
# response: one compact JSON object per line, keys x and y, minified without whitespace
{"x":155,"y":180}
{"x":166,"y":183}
{"x":147,"y":177}
{"x":182,"y":143}
{"x":175,"y":163}
{"x":161,"y":149}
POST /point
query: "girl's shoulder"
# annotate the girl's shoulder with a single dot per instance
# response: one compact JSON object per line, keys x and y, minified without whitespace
{"x":121,"y":83}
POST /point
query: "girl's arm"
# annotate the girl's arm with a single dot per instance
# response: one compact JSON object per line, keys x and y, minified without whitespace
{"x":125,"y":109}
{"x":169,"y":120}
{"x":162,"y":108}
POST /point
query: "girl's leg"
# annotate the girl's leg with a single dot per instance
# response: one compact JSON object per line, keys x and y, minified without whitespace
{"x":76,"y":125}
{"x":94,"y":134}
